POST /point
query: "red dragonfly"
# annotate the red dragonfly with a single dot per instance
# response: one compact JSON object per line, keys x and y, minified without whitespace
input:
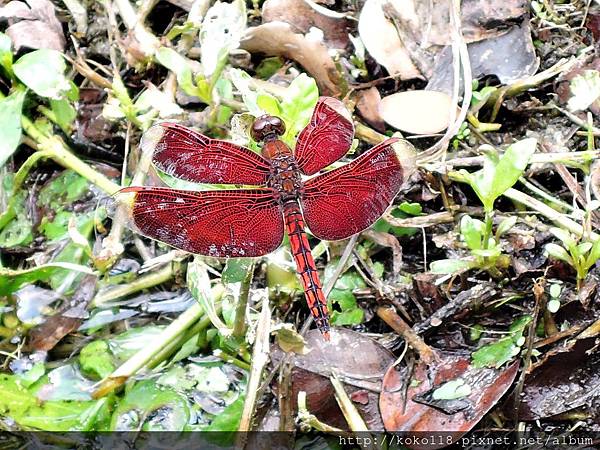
{"x":251,"y":222}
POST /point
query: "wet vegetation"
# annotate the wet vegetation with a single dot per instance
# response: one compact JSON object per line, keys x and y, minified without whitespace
{"x":472,"y":304}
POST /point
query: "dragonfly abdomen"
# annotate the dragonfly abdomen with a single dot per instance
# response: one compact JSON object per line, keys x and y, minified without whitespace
{"x":305,"y":266}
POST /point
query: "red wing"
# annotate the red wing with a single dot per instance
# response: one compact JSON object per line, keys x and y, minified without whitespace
{"x":349,"y":199}
{"x":229,"y":223}
{"x":326,"y":138}
{"x":189,"y":155}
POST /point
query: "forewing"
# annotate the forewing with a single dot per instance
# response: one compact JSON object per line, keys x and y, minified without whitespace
{"x":184,"y":153}
{"x":228,"y":223}
{"x":349,"y":199}
{"x":326,"y":138}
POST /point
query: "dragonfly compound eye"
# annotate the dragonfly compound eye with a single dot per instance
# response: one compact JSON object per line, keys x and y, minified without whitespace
{"x":267,"y":126}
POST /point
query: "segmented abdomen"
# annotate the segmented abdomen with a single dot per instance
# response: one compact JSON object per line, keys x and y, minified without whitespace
{"x":305,"y":265}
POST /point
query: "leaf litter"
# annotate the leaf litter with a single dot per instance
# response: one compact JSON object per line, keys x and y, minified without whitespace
{"x":440,"y":323}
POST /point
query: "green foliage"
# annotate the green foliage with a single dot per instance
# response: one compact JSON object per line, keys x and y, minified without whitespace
{"x":581,"y":254}
{"x":6,"y":56}
{"x":504,"y":349}
{"x":499,"y":173}
{"x":43,"y":71}
{"x":452,"y":390}
{"x":295,"y":109}
{"x":10,"y":118}
{"x":22,"y":406}
{"x":403,"y":211}
{"x":96,"y":360}
{"x":485,"y":249}
{"x":12,"y":280}
{"x":199,"y":285}
{"x":341,"y":301}
{"x":149,"y":407}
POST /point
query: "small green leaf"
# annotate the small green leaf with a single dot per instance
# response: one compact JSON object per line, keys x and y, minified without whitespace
{"x":471,"y":232}
{"x":553,"y":305}
{"x":10,"y":118}
{"x":229,"y":419}
{"x":448,"y":266}
{"x":503,"y":350}
{"x":269,"y":66}
{"x":236,"y":270}
{"x":412,"y":209}
{"x":6,"y":55}
{"x":584,"y":248}
{"x":43,"y":71}
{"x":594,"y":254}
{"x":558,"y":252}
{"x":452,"y":390}
{"x":506,"y":225}
{"x":297,"y":107}
{"x":199,"y":285}
{"x":64,"y":113}
{"x":555,"y":290}
{"x":180,"y":66}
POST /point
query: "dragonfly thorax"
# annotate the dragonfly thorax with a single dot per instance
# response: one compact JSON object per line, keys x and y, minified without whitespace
{"x":285,"y":177}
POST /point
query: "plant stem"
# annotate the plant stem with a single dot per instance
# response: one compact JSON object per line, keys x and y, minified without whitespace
{"x":487,"y":233}
{"x":153,"y":347}
{"x":54,"y":148}
{"x":389,"y":316}
{"x":239,"y":324}
{"x":146,"y":281}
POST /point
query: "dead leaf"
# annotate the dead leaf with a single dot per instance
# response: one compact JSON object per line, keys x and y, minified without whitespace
{"x":368,"y":107}
{"x":38,"y":27}
{"x":44,"y":337}
{"x":278,"y":39}
{"x":359,"y":361}
{"x":510,"y":57}
{"x":383,"y":43}
{"x":417,"y":112}
{"x":401,"y":413}
{"x":565,"y":379}
{"x":302,"y":18}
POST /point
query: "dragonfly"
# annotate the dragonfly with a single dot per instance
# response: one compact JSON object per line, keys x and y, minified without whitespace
{"x":288,"y":193}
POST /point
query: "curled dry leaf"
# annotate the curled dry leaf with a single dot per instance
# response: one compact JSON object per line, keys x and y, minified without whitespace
{"x":565,"y":379}
{"x":417,"y":112}
{"x":419,"y":401}
{"x":511,"y":57}
{"x":368,"y":106}
{"x":279,"y":39}
{"x":383,"y":43}
{"x":38,"y":26}
{"x":359,"y":361}
{"x":302,"y":17}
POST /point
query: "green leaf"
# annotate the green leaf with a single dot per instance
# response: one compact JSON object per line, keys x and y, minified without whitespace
{"x":43,"y":71}
{"x":594,"y":255}
{"x":412,"y":209}
{"x":504,"y":349}
{"x":10,"y":118}
{"x":585,"y":90}
{"x":298,"y":104}
{"x":19,"y":230}
{"x":500,"y":173}
{"x":350,"y":313}
{"x":269,"y":67}
{"x":471,"y":232}
{"x":452,"y":390}
{"x":96,"y":360}
{"x":584,"y":248}
{"x":199,"y":285}
{"x":6,"y":55}
{"x":64,"y":113}
{"x":506,"y":225}
{"x":148,"y":407}
{"x":180,"y":66}
{"x":448,"y":266}
{"x":229,"y":419}
{"x":22,"y":406}
{"x":511,"y":166}
{"x":12,"y":280}
{"x":236,"y":270}
{"x":564,"y":236}
{"x":558,"y":252}
{"x":555,"y":290}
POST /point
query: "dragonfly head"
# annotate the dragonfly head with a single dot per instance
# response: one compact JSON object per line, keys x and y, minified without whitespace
{"x":267,"y":128}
